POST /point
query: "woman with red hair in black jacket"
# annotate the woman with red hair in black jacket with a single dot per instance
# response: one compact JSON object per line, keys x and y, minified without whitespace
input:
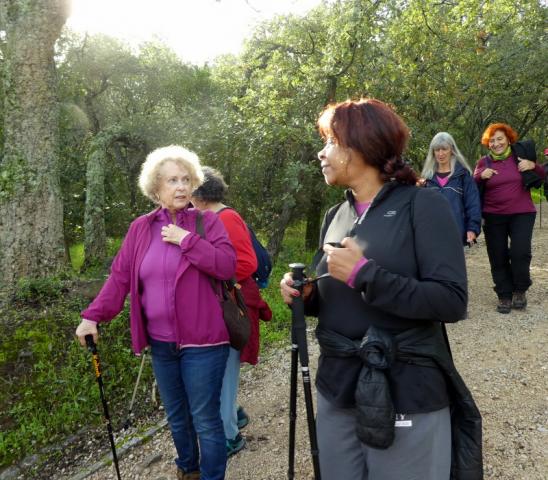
{"x":396,"y":277}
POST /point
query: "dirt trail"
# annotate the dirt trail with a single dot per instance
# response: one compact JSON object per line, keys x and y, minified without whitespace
{"x":503,"y":359}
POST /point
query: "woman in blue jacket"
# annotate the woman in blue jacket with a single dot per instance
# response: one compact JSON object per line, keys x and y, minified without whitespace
{"x":446,"y":170}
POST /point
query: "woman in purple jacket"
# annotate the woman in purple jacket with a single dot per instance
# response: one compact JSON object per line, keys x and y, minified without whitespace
{"x":164,"y":266}
{"x":509,"y":215}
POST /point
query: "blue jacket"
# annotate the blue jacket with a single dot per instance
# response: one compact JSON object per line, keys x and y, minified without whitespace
{"x":462,"y":193}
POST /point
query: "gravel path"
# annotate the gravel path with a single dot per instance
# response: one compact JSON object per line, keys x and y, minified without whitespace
{"x":503,"y":359}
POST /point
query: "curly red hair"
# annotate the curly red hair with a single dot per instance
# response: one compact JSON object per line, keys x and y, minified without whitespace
{"x":510,"y":133}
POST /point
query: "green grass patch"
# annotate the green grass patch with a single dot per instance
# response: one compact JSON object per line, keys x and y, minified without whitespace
{"x":77,"y":256}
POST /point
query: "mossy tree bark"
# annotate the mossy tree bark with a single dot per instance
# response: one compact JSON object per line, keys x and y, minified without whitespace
{"x":95,"y":238}
{"x":31,"y":210}
{"x":129,"y":152}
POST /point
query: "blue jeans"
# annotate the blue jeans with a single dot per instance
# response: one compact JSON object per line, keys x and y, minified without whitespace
{"x":229,"y":395}
{"x":190,"y":380}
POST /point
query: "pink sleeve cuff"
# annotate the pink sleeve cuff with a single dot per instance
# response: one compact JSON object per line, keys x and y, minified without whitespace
{"x":88,"y":320}
{"x":359,"y":264}
{"x":184,"y":242}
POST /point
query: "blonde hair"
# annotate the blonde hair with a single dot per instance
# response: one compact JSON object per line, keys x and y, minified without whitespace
{"x":443,"y":140}
{"x":150,"y":169}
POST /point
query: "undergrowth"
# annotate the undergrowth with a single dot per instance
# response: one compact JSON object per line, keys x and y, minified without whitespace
{"x":49,"y":390}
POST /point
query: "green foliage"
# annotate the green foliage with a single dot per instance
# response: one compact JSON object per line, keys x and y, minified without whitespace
{"x":537,"y":194}
{"x":120,"y":104}
{"x":36,"y":291}
{"x":279,"y":328}
{"x":77,"y":256}
{"x":253,"y":116}
{"x":52,"y":391}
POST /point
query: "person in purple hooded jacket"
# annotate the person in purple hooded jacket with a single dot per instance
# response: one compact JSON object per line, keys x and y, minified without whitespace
{"x":165,"y":266}
{"x":509,"y":215}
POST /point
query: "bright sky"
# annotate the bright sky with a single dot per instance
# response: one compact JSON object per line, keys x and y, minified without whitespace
{"x":198,"y":30}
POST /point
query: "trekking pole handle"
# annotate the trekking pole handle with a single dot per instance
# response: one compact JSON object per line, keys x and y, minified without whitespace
{"x":298,"y":275}
{"x":92,"y":347}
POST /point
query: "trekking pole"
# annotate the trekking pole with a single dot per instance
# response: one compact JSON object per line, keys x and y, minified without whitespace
{"x":127,"y":423}
{"x":298,"y":333}
{"x":292,"y":405}
{"x":99,"y":376}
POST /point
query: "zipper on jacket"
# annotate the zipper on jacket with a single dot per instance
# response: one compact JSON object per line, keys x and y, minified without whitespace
{"x":170,"y":303}
{"x":180,"y":221}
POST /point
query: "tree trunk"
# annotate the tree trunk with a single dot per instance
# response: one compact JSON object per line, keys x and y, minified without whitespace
{"x":95,"y":238}
{"x":313,"y":222}
{"x":278,"y":230}
{"x":31,"y":209}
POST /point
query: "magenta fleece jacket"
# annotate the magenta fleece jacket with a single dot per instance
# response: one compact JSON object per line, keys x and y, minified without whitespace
{"x":199,"y":319}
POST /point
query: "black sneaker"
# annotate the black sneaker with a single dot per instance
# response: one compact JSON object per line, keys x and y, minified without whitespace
{"x":235,"y":445}
{"x":519,"y":300}
{"x":504,"y":305}
{"x":243,"y":418}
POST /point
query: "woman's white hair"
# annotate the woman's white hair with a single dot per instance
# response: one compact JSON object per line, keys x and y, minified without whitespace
{"x":150,"y":169}
{"x":443,"y":140}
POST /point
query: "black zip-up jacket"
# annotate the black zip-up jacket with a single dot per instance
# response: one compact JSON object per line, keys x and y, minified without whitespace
{"x":415,"y":275}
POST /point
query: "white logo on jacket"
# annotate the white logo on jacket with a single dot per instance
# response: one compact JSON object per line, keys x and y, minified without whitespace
{"x":390,"y":213}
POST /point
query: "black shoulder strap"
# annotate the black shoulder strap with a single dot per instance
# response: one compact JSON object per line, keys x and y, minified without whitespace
{"x":200,"y":231}
{"x":200,"y":225}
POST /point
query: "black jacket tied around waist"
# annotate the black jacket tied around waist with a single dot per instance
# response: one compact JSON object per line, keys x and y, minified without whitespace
{"x":376,"y":416}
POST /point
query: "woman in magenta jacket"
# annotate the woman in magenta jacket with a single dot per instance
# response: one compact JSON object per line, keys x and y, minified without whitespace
{"x":165,"y":266}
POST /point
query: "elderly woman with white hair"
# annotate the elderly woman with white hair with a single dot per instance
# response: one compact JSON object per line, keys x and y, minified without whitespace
{"x":446,"y":170}
{"x":165,"y":266}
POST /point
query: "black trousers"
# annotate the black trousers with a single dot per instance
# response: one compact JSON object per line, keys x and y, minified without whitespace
{"x":510,"y":262}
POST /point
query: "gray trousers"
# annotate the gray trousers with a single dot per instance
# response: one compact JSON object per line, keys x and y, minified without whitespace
{"x":421,"y":448}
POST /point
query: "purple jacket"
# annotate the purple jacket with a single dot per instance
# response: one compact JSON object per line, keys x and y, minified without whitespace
{"x":504,"y":192}
{"x":199,"y":318}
